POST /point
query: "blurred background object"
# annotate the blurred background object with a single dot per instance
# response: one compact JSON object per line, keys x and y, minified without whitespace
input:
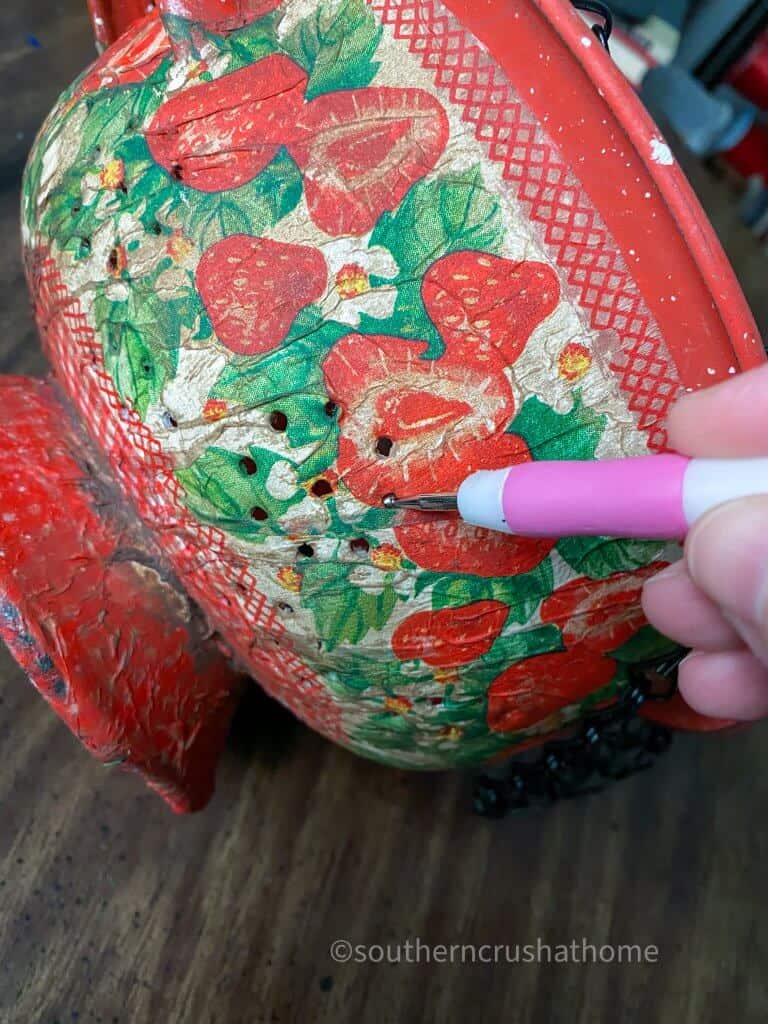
{"x":701,"y":68}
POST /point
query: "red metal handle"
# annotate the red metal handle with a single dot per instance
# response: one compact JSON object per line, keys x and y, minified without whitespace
{"x":219,"y":15}
{"x":112,"y":17}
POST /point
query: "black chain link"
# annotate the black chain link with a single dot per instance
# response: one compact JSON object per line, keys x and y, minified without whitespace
{"x":603,"y":32}
{"x":609,"y":744}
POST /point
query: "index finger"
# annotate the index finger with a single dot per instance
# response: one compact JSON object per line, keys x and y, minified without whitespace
{"x":729,"y":420}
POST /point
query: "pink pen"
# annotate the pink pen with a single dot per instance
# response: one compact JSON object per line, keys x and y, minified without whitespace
{"x":657,"y":496}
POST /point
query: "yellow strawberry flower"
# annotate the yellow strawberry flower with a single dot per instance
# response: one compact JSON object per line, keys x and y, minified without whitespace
{"x":445,"y":676}
{"x":452,"y":733}
{"x":214,"y":409}
{"x":179,"y":247}
{"x":289,"y":579}
{"x":399,"y":705}
{"x":112,"y":175}
{"x":574,"y":362}
{"x":387,"y":557}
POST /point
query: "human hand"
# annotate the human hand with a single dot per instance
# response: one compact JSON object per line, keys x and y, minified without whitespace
{"x":716,"y":599}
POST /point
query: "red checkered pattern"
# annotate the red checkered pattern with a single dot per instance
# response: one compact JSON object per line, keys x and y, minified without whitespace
{"x":570,"y":227}
{"x":218,"y":579}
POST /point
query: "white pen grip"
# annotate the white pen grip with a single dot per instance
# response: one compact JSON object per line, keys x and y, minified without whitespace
{"x":711,"y":482}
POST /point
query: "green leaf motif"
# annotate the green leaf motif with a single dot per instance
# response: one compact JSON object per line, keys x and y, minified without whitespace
{"x":141,"y":339}
{"x":344,"y":613}
{"x":352,"y":674}
{"x":336,"y":46}
{"x":138,"y":373}
{"x":293,"y":368}
{"x":116,"y":114}
{"x":601,"y":557}
{"x":523,"y":594}
{"x":290,"y":380}
{"x":553,"y":435}
{"x":435,"y":218}
{"x":252,"y":209}
{"x":253,"y":42}
{"x":223,"y":492}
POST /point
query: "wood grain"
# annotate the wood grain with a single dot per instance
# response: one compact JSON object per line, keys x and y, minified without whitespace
{"x":113,"y":911}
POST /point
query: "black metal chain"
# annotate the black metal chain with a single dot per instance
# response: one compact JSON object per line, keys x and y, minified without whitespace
{"x":603,"y":32}
{"x":608,"y":745}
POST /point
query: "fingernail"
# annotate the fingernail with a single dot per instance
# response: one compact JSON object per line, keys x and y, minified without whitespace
{"x":670,"y":573}
{"x":727,"y":556}
{"x":691,"y":657}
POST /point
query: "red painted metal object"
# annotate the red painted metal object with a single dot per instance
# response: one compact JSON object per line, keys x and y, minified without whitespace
{"x":93,"y":612}
{"x":111,"y":18}
{"x":118,"y":567}
{"x":750,"y":75}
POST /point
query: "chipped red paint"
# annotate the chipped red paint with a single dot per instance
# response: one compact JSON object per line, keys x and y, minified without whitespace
{"x":94,"y":615}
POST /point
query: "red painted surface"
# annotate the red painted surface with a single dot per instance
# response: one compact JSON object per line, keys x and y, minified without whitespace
{"x":132,"y":59}
{"x":750,"y":156}
{"x":750,"y":75}
{"x":92,"y":613}
{"x":219,"y":15}
{"x":579,"y":158}
{"x":603,"y":132}
{"x":112,"y":17}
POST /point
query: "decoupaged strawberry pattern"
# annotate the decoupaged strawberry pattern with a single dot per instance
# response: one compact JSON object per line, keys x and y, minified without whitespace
{"x":309,"y":282}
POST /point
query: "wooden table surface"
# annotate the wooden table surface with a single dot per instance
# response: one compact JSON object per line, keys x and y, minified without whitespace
{"x":114,"y":911}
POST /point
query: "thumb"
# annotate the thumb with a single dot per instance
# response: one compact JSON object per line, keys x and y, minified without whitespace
{"x":727,"y":555}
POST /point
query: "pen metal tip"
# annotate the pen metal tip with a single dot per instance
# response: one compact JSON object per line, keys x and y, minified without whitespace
{"x":424,"y":503}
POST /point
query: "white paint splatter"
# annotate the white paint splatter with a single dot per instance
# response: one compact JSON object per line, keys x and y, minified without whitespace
{"x":661,"y":153}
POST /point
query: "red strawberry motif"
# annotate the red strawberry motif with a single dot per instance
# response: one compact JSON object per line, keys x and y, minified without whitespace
{"x":253,"y":288}
{"x":478,"y":301}
{"x":133,"y":58}
{"x":452,"y":636}
{"x":536,"y":688}
{"x":599,"y":614}
{"x":413,"y":425}
{"x":220,"y":15}
{"x":220,"y":135}
{"x":361,"y":150}
{"x":446,"y":544}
